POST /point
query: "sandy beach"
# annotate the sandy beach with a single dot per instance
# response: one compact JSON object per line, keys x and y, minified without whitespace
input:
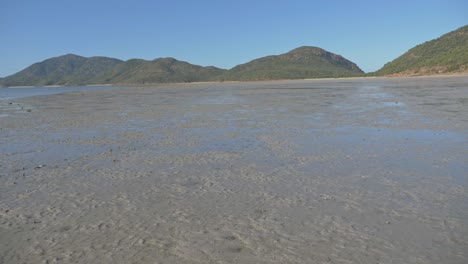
{"x":313,"y":171}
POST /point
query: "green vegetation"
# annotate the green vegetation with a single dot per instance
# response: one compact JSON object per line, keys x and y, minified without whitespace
{"x":304,"y":62}
{"x":300,"y":63}
{"x":163,"y":70}
{"x":76,"y":70}
{"x":446,"y":54}
{"x":64,"y":70}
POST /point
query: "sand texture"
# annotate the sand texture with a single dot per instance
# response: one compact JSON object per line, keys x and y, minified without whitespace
{"x":316,"y":171}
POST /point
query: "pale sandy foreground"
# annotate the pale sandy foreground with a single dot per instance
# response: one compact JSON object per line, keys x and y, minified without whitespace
{"x":324,"y":171}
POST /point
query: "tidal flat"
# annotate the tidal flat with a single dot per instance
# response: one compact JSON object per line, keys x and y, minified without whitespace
{"x":314,"y":171}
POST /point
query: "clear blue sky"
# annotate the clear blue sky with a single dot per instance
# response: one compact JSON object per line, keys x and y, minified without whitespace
{"x":219,"y":33}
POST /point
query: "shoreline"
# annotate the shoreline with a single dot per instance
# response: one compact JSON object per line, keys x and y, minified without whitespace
{"x":255,"y":81}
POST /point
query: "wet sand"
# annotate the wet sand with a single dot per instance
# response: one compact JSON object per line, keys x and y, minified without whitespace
{"x":320,"y":171}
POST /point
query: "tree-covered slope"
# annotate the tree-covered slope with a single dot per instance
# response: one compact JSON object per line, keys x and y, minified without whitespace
{"x":300,"y":63}
{"x":446,"y":54}
{"x":64,"y":70}
{"x":76,"y":70}
{"x":163,"y":70}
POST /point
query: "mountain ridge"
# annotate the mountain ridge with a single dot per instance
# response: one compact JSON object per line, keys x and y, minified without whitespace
{"x":445,"y":54}
{"x":300,"y":63}
{"x":160,"y":70}
{"x":70,"y":69}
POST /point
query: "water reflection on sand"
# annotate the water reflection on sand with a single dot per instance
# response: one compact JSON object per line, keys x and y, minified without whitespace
{"x":319,"y":171}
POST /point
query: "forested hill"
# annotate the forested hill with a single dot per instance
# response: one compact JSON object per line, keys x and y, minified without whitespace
{"x":301,"y":63}
{"x":446,"y":54}
{"x":64,"y":70}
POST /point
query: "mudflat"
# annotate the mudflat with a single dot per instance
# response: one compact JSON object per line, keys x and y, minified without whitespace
{"x":313,"y":171}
